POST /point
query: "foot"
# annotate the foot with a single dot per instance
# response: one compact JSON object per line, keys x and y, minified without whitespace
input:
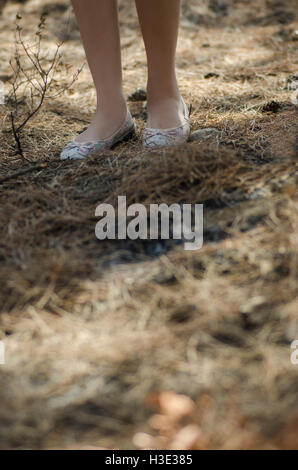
{"x":176,"y":133}
{"x":104,"y":124}
{"x":91,"y":141}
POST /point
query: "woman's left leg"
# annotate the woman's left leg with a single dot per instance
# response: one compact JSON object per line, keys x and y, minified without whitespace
{"x":159,"y":20}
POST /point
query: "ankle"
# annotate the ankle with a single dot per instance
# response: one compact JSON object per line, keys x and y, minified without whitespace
{"x":165,"y":113}
{"x":163,"y":96}
{"x":111,"y":104}
{"x":159,"y":89}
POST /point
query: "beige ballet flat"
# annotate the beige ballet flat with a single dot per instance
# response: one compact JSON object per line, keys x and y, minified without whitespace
{"x":168,"y":137}
{"x":80,"y":150}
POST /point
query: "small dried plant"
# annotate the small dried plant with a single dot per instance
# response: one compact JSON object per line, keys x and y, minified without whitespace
{"x":33,"y":79}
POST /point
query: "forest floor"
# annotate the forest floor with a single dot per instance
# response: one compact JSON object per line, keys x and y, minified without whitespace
{"x":143,"y":344}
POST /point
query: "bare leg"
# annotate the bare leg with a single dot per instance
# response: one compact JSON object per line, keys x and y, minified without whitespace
{"x":98,"y":23}
{"x":159,"y":21}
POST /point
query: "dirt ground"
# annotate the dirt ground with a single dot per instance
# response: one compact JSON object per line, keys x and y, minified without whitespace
{"x":134,"y":345}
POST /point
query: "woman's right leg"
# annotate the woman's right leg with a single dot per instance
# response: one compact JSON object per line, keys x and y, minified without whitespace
{"x":99,"y":28}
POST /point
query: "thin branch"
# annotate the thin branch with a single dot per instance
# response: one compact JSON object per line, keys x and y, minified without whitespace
{"x":16,"y":136}
{"x":39,"y":79}
{"x":21,"y":172}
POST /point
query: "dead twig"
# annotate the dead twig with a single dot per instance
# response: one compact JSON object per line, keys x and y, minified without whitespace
{"x":39,"y":78}
{"x":22,"y":172}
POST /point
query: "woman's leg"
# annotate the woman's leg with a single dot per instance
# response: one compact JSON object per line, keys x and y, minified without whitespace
{"x":159,"y":21}
{"x":98,"y":24}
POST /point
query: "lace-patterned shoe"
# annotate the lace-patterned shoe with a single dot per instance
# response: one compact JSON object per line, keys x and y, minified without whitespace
{"x":80,"y":150}
{"x":168,"y":137}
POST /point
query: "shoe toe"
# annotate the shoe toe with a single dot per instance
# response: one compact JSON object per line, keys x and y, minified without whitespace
{"x":158,"y":138}
{"x":75,"y":152}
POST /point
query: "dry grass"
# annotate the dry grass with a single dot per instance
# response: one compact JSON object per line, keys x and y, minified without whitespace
{"x":134,"y":344}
